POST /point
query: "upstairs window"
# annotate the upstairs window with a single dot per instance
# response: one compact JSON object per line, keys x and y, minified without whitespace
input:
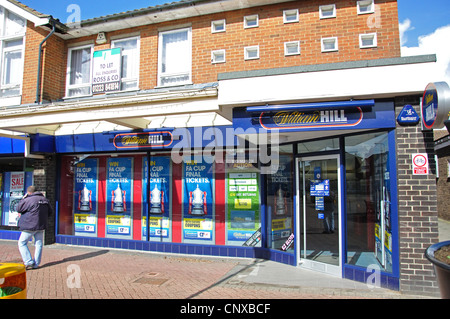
{"x":329,"y":44}
{"x":12,"y":32}
{"x":130,"y":62}
{"x":365,"y":7}
{"x":251,"y":21}
{"x":290,"y":16}
{"x":327,"y":12}
{"x":175,"y":57}
{"x":79,"y":71}
{"x":368,"y":40}
{"x":218,"y":26}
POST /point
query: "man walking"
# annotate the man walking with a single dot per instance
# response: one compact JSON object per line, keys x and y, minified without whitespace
{"x":34,"y":209}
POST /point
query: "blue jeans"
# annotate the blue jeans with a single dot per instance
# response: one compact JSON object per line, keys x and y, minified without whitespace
{"x":25,"y":236}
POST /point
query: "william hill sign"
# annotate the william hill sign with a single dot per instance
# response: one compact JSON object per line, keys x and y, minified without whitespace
{"x":143,"y":140}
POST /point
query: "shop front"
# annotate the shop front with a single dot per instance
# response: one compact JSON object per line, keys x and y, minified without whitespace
{"x":307,"y":185}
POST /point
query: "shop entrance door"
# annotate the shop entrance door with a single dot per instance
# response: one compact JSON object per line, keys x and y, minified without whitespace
{"x":319,"y":214}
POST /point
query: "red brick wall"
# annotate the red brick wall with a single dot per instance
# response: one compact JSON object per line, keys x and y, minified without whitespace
{"x":270,"y":36}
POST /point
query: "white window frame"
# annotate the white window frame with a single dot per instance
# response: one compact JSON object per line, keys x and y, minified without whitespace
{"x":251,"y":18}
{"x":373,"y":36}
{"x":8,"y":38}
{"x":251,"y":48}
{"x":160,"y":52}
{"x":138,"y":44}
{"x":335,"y":39}
{"x":216,"y":23}
{"x":76,"y":86}
{"x":292,"y":12}
{"x":215,"y":54}
{"x":327,"y":8}
{"x":291,"y":43}
{"x":365,"y":3}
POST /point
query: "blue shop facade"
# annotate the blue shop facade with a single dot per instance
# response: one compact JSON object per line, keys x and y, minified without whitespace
{"x":311,"y":185}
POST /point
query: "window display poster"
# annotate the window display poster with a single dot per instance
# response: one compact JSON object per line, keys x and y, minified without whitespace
{"x":279,"y":199}
{"x":15,"y":185}
{"x":159,"y":210}
{"x":243,"y":205}
{"x":198,"y":210}
{"x":119,"y":194}
{"x":85,"y":197}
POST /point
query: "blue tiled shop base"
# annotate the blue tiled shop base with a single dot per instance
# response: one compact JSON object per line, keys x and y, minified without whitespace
{"x":179,"y":248}
{"x":385,"y":280}
{"x":9,"y":235}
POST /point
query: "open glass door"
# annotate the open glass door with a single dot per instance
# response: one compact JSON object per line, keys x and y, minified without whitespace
{"x":318,"y":209}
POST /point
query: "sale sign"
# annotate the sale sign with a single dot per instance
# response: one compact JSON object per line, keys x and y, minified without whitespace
{"x":420,"y":164}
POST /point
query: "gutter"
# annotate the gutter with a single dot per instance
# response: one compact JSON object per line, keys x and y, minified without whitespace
{"x":38,"y":85}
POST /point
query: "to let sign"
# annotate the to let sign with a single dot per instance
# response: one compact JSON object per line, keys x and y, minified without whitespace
{"x":420,"y":164}
{"x":107,"y":71}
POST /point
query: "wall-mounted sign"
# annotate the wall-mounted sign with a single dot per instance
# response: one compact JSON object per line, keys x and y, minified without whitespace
{"x":420,"y":164}
{"x":106,"y":75}
{"x":408,"y":116}
{"x":285,"y":120}
{"x":143,"y":140}
{"x":435,"y":105}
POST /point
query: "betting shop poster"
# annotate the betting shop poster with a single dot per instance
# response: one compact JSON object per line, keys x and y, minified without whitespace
{"x":198,"y":209}
{"x":243,"y":204}
{"x":159,"y":210}
{"x":15,"y":185}
{"x":119,"y":194}
{"x":85,"y":197}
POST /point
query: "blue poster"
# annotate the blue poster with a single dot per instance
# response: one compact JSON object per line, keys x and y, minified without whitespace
{"x":119,"y":195}
{"x":159,"y":209}
{"x":198,"y":189}
{"x":85,"y":196}
{"x":15,"y":186}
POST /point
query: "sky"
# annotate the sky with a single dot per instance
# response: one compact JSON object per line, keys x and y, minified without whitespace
{"x":424,"y":25}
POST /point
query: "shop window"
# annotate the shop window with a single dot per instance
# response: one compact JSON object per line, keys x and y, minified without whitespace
{"x":292,"y":48}
{"x":280,"y":194}
{"x":368,"y":206}
{"x":243,"y":208}
{"x":251,"y":21}
{"x":12,"y":32}
{"x":251,"y":53}
{"x":329,"y":44}
{"x":175,"y":57}
{"x":327,"y":12}
{"x":218,"y":26}
{"x":79,"y":66}
{"x":290,"y":16}
{"x":365,"y":7}
{"x":14,"y":181}
{"x":368,"y":40}
{"x":130,"y":62}
{"x":218,"y":56}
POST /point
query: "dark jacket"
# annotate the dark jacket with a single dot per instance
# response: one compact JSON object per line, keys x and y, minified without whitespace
{"x":35,"y":209}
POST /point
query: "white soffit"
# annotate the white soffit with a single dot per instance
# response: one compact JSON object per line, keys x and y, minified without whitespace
{"x":373,"y":82}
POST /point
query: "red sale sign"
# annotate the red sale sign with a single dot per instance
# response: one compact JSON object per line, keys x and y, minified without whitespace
{"x":17,"y":181}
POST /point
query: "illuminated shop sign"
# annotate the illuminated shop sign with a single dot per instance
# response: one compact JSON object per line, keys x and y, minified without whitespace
{"x":285,"y":120}
{"x":143,"y":140}
{"x":435,"y":107}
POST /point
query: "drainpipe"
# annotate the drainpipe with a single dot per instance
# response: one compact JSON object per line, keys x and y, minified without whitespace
{"x":38,"y":85}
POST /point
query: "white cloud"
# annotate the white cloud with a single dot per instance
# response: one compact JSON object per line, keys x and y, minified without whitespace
{"x":434,"y":43}
{"x":405,"y":26}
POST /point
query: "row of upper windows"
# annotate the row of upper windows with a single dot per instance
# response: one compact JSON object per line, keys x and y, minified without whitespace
{"x":292,"y":16}
{"x":174,"y":60}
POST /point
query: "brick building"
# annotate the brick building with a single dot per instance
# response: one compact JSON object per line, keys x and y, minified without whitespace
{"x":226,"y":128}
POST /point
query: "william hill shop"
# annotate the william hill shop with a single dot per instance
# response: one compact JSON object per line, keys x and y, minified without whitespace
{"x":254,"y":189}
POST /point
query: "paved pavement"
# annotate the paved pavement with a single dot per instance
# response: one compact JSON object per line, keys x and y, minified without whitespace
{"x":73,"y":272}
